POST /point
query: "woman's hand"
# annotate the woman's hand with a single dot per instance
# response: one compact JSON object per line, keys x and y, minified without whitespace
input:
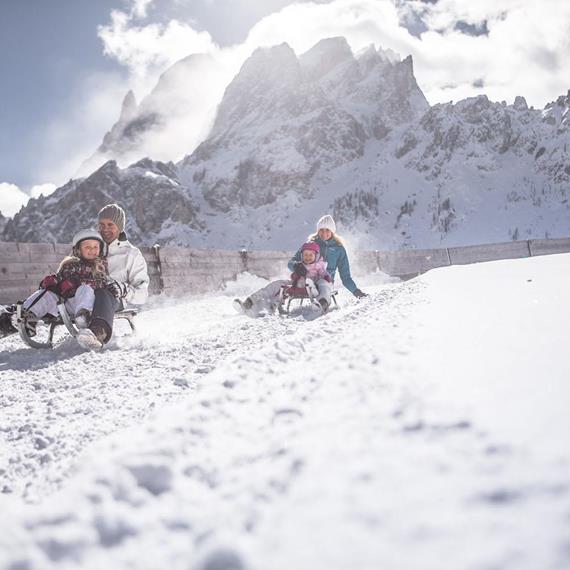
{"x":300,"y":269}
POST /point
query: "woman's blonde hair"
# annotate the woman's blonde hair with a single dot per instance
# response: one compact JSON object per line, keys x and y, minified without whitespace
{"x":334,"y":236}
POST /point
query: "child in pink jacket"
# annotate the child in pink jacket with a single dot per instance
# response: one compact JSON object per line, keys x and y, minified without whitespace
{"x":311,"y":266}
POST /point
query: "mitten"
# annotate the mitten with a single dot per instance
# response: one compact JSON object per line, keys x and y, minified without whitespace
{"x":49,"y":282}
{"x":118,"y":290}
{"x":300,"y":269}
{"x":67,"y":288}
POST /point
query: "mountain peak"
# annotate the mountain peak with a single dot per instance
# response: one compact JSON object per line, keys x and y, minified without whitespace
{"x":557,"y":113}
{"x":129,"y":107}
{"x":324,"y":56}
{"x":267,"y":67}
{"x":269,"y":58}
{"x":409,"y":62}
{"x":520,"y":103}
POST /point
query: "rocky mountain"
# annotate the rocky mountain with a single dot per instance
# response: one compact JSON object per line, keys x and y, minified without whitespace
{"x":162,"y":125}
{"x":3,"y":222}
{"x":328,"y":131}
{"x":149,"y":190}
{"x":284,"y":120}
{"x":473,"y":171}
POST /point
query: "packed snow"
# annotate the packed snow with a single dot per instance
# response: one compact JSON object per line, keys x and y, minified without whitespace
{"x":425,"y":426}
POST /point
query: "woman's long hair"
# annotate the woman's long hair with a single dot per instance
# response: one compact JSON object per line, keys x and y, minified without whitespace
{"x":334,"y":236}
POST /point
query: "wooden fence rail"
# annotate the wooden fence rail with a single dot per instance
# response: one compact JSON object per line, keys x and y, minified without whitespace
{"x":178,"y":270}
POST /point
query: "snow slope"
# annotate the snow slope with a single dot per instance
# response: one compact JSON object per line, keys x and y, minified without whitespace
{"x":423,"y":427}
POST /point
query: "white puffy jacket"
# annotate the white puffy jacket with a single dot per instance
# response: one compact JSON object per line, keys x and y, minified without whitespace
{"x":128,"y":266}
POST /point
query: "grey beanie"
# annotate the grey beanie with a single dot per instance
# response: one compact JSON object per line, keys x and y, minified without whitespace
{"x":115,"y":213}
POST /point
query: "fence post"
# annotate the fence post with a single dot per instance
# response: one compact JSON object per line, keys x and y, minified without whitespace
{"x":156,"y":250}
{"x":243,"y":255}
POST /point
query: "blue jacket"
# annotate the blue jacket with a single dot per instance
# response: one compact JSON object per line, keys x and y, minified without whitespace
{"x":335,"y":256}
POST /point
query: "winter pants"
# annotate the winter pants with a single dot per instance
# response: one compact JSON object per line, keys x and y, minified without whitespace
{"x":47,"y":302}
{"x":268,"y":297}
{"x":104,"y":309}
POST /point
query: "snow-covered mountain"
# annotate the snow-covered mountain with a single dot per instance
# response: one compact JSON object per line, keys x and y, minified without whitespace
{"x":328,"y":131}
{"x":150,"y":191}
{"x":162,"y":126}
{"x":283,"y":119}
{"x":466,"y":172}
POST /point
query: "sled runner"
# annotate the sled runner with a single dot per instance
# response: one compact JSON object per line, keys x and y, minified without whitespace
{"x":288,"y":294}
{"x":39,"y":333}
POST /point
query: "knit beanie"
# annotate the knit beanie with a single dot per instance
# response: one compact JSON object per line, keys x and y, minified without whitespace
{"x":115,"y":213}
{"x":326,"y":223}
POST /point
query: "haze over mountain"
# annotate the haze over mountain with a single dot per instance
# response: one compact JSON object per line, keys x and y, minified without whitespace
{"x":328,"y":131}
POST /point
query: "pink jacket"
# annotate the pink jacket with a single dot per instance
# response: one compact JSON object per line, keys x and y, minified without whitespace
{"x":315,"y":271}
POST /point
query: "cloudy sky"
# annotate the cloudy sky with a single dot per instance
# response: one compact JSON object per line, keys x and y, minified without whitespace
{"x":67,"y":64}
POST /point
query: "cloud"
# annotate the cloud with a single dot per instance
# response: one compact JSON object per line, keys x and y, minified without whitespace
{"x":522,"y":51}
{"x":12,"y":198}
{"x":42,"y":190}
{"x":148,"y":50}
{"x":70,"y":139}
{"x":140,"y":8}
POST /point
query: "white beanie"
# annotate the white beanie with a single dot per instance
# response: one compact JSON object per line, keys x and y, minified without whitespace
{"x":326,"y":223}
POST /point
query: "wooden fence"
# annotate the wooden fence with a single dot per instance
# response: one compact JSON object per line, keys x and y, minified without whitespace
{"x":178,"y":270}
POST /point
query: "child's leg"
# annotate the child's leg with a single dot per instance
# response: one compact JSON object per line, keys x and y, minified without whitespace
{"x":325,"y":290}
{"x":46,"y":303}
{"x":269,"y":294}
{"x":83,"y":299}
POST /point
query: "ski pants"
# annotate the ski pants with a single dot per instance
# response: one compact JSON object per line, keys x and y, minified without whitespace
{"x":104,"y":309}
{"x":268,"y":296}
{"x":47,"y":302}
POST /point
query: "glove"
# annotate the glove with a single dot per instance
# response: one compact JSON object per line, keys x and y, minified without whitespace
{"x":300,"y":269}
{"x":117,"y":289}
{"x":49,"y":282}
{"x":67,"y":288}
{"x":360,"y":294}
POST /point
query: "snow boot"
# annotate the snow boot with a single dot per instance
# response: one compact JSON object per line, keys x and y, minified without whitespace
{"x":242,"y":306}
{"x":324,"y":304}
{"x":30,"y":321}
{"x":92,"y":338}
{"x":6,"y":326}
{"x":82,"y":319}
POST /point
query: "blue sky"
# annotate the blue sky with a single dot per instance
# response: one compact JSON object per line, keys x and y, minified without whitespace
{"x":51,"y":47}
{"x":66,"y":65}
{"x":47,"y":49}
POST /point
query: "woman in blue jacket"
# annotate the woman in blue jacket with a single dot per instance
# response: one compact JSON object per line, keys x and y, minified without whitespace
{"x":333,"y":252}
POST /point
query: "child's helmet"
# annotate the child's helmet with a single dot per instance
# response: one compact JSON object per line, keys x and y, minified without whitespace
{"x":88,"y":234}
{"x":311,"y":246}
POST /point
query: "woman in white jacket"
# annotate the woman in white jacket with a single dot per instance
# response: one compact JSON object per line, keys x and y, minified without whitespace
{"x":127,"y":268}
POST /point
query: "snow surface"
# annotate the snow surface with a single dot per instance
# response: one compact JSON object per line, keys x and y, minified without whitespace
{"x":426,"y":426}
